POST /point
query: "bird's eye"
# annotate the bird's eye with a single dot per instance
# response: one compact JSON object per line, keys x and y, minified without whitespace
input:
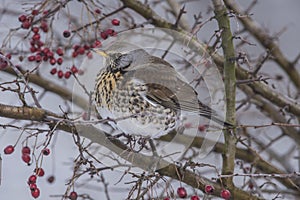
{"x":122,"y":61}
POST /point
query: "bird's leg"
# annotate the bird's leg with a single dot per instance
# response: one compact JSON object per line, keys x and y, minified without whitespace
{"x":153,"y":148}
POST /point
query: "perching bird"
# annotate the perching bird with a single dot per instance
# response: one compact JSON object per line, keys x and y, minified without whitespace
{"x":144,"y":94}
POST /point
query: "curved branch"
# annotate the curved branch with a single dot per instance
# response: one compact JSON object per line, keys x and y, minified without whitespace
{"x":115,"y":145}
{"x":229,"y":151}
{"x":267,"y":41}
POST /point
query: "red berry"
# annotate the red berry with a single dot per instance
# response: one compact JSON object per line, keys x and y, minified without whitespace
{"x":201,"y":128}
{"x":86,"y":47}
{"x":59,"y":61}
{"x":26,"y":150}
{"x":32,"y":186}
{"x":80,"y":50}
{"x":51,"y":179}
{"x":181,"y":192}
{"x":195,"y":197}
{"x":22,"y":18}
{"x":52,"y":61}
{"x":225,"y":194}
{"x":110,"y":32}
{"x":103,"y":35}
{"x":38,"y":58}
{"x":74,"y":54}
{"x":9,"y":149}
{"x":89,"y":55}
{"x":166,"y":198}
{"x":36,"y":36}
{"x":59,"y":51}
{"x":97,"y":11}
{"x":35,"y":29}
{"x":33,"y":49}
{"x":67,"y":74}
{"x":34,"y":12}
{"x":26,"y":24}
{"x":32,"y":179}
{"x":46,"y":151}
{"x":66,"y":34}
{"x":44,"y":26}
{"x":73,"y":195}
{"x":50,"y":54}
{"x":39,"y":171}
{"x":209,"y":189}
{"x":31,"y":58}
{"x":53,"y":71}
{"x":97,"y":43}
{"x":115,"y":22}
{"x":45,"y":12}
{"x":74,"y":69}
{"x":8,"y":56}
{"x":35,"y":193}
{"x":60,"y":74}
{"x":26,"y":158}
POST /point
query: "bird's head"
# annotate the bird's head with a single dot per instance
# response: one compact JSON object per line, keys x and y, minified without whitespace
{"x":117,"y":61}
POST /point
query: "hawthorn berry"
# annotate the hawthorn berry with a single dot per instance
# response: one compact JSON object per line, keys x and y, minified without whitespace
{"x":32,"y":186}
{"x":110,"y":32}
{"x":51,"y":179}
{"x":52,"y":61}
{"x":68,"y":74}
{"x":73,"y":195}
{"x":31,"y":58}
{"x":35,"y":193}
{"x":66,"y":33}
{"x":38,"y":58}
{"x":181,"y":192}
{"x":44,"y":26}
{"x":89,"y":55}
{"x":225,"y":194}
{"x":35,"y":29}
{"x":34,"y":12}
{"x":115,"y":22}
{"x":9,"y":149}
{"x":22,"y":18}
{"x":195,"y":197}
{"x":36,"y":37}
{"x":46,"y":151}
{"x":26,"y":24}
{"x":50,"y":54}
{"x":104,"y":35}
{"x":53,"y":71}
{"x":97,"y":11}
{"x":59,"y":61}
{"x":59,"y":51}
{"x":32,"y":179}
{"x":97,"y":43}
{"x":201,"y":128}
{"x":74,"y":69}
{"x":60,"y":73}
{"x":209,"y":189}
{"x":39,"y":171}
{"x":80,"y":50}
{"x":26,"y":158}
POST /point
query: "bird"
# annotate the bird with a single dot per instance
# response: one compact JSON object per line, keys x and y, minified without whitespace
{"x":144,"y":95}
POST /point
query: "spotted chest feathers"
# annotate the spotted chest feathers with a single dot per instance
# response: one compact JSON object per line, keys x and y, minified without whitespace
{"x":119,"y":97}
{"x":106,"y":84}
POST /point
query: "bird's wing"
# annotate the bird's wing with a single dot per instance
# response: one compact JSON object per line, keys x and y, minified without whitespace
{"x":167,"y":87}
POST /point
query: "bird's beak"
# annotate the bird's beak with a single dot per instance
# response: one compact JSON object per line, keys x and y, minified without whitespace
{"x":100,"y":52}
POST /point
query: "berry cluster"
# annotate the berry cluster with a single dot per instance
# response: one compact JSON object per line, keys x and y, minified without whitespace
{"x":38,"y":172}
{"x":209,"y":189}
